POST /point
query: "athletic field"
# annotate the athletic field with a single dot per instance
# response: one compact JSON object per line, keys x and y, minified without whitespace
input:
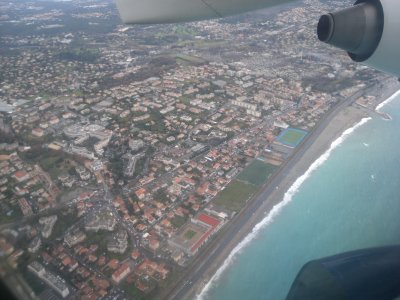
{"x":257,"y":172}
{"x":235,"y":195}
{"x":292,"y":137}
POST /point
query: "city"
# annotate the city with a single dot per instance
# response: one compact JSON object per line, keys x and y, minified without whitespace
{"x":125,"y":150}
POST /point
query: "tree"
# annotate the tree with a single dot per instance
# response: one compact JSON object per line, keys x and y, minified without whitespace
{"x":161,"y":195}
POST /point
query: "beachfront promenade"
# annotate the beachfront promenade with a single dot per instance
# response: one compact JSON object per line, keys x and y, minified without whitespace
{"x":337,"y":120}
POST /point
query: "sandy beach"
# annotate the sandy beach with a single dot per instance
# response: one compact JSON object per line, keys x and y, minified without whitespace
{"x":343,"y":116}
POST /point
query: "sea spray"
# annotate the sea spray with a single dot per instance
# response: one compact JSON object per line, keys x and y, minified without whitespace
{"x":278,"y":207}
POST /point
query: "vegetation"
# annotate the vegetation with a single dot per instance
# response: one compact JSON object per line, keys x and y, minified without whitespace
{"x":133,"y":291}
{"x":189,"y":234}
{"x":53,"y":162}
{"x":189,"y":60}
{"x":178,"y":221}
{"x":161,"y":195}
{"x":57,"y":165}
{"x":207,"y":44}
{"x":235,"y":195}
{"x":185,"y":99}
{"x":4,"y":219}
{"x":33,"y":281}
{"x":80,"y":54}
{"x":184,"y":30}
{"x":120,"y":256}
{"x":25,"y":136}
{"x":257,"y":172}
{"x":117,"y":167}
{"x":64,"y":221}
{"x":100,"y":238}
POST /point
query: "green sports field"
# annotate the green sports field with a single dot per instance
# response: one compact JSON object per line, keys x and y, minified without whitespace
{"x":292,"y":137}
{"x":235,"y":195}
{"x":257,"y":172}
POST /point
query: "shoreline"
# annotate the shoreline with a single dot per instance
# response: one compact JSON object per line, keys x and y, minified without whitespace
{"x":287,"y":197}
{"x":269,"y":199}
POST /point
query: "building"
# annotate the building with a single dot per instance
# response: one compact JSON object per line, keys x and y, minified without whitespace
{"x":154,"y":244}
{"x":199,"y":149}
{"x":119,"y":242}
{"x":38,"y":132}
{"x":37,"y":268}
{"x":140,"y":193}
{"x":25,"y":207}
{"x":280,"y":124}
{"x":21,"y":176}
{"x":34,"y":245}
{"x":5,"y":247}
{"x":48,"y":224}
{"x":136,"y":145}
{"x":129,"y":168}
{"x":81,"y":151}
{"x":74,"y":237}
{"x":121,"y":273}
{"x":245,"y":105}
{"x":84,"y":174}
{"x":195,"y":233}
{"x":99,"y":147}
{"x":54,"y":281}
{"x":151,"y":268}
{"x":105,"y":220}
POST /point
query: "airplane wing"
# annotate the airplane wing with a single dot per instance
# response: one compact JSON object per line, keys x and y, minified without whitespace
{"x":171,"y":11}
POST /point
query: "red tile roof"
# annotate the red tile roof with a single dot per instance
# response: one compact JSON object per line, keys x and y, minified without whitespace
{"x":213,"y":222}
{"x":201,"y":240}
{"x":20,"y":174}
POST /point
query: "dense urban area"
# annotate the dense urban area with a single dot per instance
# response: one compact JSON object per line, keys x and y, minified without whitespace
{"x":125,"y":149}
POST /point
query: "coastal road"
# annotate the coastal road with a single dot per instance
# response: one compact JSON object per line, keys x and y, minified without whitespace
{"x":201,"y":265}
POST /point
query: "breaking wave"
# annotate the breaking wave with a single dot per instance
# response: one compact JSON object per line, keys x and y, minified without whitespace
{"x":388,"y":100}
{"x":287,"y":198}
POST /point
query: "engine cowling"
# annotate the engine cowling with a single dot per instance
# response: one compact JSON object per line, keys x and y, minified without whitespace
{"x":368,"y":31}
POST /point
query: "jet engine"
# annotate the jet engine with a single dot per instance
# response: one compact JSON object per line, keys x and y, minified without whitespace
{"x":368,"y":31}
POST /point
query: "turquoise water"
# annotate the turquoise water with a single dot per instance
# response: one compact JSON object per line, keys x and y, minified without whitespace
{"x":350,"y":201}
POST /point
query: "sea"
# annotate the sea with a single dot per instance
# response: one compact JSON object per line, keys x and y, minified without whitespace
{"x":348,"y":199}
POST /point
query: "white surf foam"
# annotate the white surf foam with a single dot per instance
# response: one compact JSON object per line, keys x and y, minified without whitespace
{"x":388,"y":100}
{"x":372,"y":177}
{"x":287,"y":198}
